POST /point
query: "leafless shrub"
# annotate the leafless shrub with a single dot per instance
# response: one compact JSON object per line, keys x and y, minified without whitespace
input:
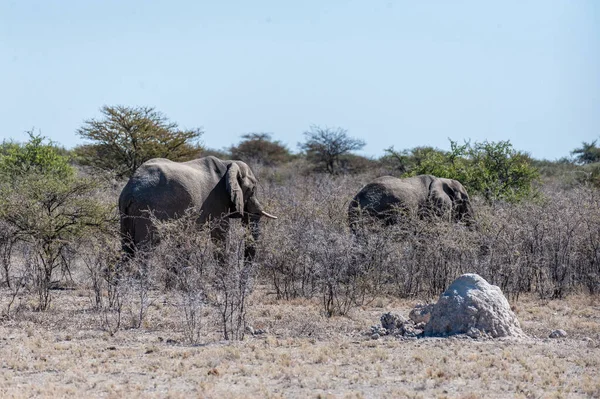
{"x":206,"y":271}
{"x":99,"y":255}
{"x":192,"y":303}
{"x":231,"y":284}
{"x":136,"y":288}
{"x":309,"y":205}
{"x":38,"y":270}
{"x":185,"y":250}
{"x":550,"y":246}
{"x":111,"y":313}
{"x":187,"y":257}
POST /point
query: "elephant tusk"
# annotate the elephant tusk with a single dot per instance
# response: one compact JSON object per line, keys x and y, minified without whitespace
{"x":268,"y":215}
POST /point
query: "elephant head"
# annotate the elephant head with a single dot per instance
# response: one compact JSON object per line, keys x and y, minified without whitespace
{"x":449,"y":197}
{"x":241,"y":186}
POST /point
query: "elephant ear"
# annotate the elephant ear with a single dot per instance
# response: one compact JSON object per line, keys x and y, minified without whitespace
{"x":455,"y":190}
{"x":461,"y":200}
{"x":233,"y":187}
{"x":440,"y":196}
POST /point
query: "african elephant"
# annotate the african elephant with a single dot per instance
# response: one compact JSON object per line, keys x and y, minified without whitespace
{"x":388,"y":198}
{"x":219,"y":189}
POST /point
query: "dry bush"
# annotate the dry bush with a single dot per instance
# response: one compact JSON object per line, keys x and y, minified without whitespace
{"x":186,"y":256}
{"x":313,"y":253}
{"x":231,"y":285}
{"x":206,"y":272}
{"x":100,"y":255}
{"x":549,"y":246}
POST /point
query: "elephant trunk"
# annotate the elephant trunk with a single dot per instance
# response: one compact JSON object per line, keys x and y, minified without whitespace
{"x":253,"y":211}
{"x":253,"y":227}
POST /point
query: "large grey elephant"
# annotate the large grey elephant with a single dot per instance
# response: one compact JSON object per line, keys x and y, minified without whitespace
{"x":218,"y":189}
{"x":390,"y":198}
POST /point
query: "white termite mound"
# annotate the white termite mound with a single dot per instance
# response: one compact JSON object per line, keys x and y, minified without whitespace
{"x":472,"y":306}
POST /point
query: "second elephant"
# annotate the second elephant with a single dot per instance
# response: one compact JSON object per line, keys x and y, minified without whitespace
{"x":390,"y":199}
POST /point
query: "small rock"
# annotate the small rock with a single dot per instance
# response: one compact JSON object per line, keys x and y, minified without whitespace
{"x":379,"y":330}
{"x":391,"y":321}
{"x":421,"y":313}
{"x":250,"y":330}
{"x":375,"y":336}
{"x":558,"y":334}
{"x":412,"y":333}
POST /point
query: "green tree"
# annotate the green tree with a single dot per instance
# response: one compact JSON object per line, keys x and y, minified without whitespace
{"x":33,"y":157}
{"x":126,"y":137}
{"x":261,"y":148}
{"x":588,"y":153}
{"x":326,"y":146}
{"x":492,"y":169}
{"x":406,"y":161}
{"x":47,"y":207}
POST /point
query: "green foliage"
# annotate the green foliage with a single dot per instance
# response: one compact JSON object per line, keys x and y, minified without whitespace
{"x":261,"y":148}
{"x":406,"y":161}
{"x":126,"y":137}
{"x":47,"y":206}
{"x":494,"y":170}
{"x":34,"y":157}
{"x":588,"y":153}
{"x":326,"y":146}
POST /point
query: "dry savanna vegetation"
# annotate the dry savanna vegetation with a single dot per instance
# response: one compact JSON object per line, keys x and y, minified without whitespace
{"x":194,"y":318}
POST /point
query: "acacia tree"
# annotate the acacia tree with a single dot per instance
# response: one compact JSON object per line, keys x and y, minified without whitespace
{"x":326,"y":146}
{"x":126,"y":137}
{"x":261,"y":148}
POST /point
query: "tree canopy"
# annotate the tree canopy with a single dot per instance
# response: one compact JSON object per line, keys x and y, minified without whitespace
{"x":261,"y":148}
{"x":126,"y":137}
{"x":325,"y":146}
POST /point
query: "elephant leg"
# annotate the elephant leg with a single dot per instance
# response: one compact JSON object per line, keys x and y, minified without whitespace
{"x":253,"y":234}
{"x":218,"y":234}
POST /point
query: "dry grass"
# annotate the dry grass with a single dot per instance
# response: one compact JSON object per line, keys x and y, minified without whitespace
{"x":63,"y":352}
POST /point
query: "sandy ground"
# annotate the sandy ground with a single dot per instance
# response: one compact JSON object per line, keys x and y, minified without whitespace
{"x":65,"y":352}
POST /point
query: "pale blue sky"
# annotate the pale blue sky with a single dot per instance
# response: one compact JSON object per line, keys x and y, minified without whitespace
{"x":391,"y":72}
